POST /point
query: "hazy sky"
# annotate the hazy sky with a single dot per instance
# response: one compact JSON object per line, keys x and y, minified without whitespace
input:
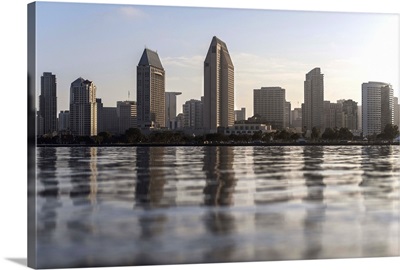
{"x":103,"y":43}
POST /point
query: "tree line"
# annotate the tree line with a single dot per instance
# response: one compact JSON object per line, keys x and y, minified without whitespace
{"x":135,"y":135}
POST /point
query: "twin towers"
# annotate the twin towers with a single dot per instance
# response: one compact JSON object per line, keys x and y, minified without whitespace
{"x":218,"y":102}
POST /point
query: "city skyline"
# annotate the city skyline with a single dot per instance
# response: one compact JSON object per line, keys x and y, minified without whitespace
{"x":281,"y":62}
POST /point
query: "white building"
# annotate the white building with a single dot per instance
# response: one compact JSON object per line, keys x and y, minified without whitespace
{"x":83,"y":108}
{"x":377,"y":107}
{"x":170,"y":109}
{"x":247,"y":128}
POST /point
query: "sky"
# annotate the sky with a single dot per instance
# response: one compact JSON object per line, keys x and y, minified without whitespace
{"x":104,"y":42}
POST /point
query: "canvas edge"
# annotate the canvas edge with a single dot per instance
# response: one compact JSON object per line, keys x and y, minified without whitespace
{"x":31,"y":128}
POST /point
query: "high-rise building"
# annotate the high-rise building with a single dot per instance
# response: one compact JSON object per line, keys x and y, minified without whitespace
{"x":193,"y":114}
{"x":150,"y":91}
{"x":100,"y":121}
{"x":296,"y":118}
{"x":359,"y":117}
{"x":396,"y":109}
{"x":83,"y":108}
{"x":218,"y":107}
{"x":387,"y":106}
{"x":110,"y":121}
{"x":269,"y":103}
{"x":377,"y":107}
{"x":350,"y":114}
{"x":48,"y":102}
{"x":170,"y":109}
{"x":313,"y":112}
{"x":126,"y":112}
{"x":288,"y":108}
{"x":63,"y":121}
{"x":240,"y":115}
{"x":333,"y":115}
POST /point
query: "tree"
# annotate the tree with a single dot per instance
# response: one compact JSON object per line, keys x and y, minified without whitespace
{"x":133,"y":135}
{"x":345,"y":134}
{"x":315,"y":133}
{"x":104,"y":137}
{"x":257,"y":136}
{"x":295,"y":136}
{"x":390,"y":132}
{"x":329,"y":134}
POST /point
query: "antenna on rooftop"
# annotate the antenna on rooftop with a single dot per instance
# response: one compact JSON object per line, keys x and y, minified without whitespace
{"x":129,"y":94}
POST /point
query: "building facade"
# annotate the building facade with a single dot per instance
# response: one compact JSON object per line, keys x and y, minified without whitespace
{"x":377,"y":107}
{"x":333,"y":115}
{"x":193,"y":114}
{"x":240,"y":115}
{"x":270,"y":104}
{"x":218,"y":110}
{"x":83,"y":108}
{"x":350,"y":114}
{"x":127,"y":115}
{"x":248,"y":129}
{"x":110,"y":121}
{"x":63,"y":121}
{"x":313,"y":111}
{"x":396,"y":109}
{"x":296,"y":118}
{"x":48,"y":103}
{"x":170,"y":109}
{"x":150,"y":91}
{"x":288,"y":109}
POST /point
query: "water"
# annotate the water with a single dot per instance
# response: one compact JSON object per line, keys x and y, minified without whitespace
{"x":169,"y":205}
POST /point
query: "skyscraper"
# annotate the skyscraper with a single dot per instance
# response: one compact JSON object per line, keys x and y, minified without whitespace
{"x":350,"y":110}
{"x":48,"y":102}
{"x":63,"y":121}
{"x":218,"y":107}
{"x":269,"y":103}
{"x":313,"y":112}
{"x":170,"y":109}
{"x":240,"y":115}
{"x":150,"y":91}
{"x":396,"y":109}
{"x":377,"y":107}
{"x":193,"y":114}
{"x":83,"y":108}
{"x":126,"y":111}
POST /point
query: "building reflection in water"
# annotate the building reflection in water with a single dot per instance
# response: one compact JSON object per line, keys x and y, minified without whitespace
{"x":315,"y":214}
{"x":150,"y":180}
{"x":49,"y":192}
{"x":83,"y":178}
{"x":380,"y":189}
{"x":270,"y":167}
{"x":219,"y":190}
{"x":149,"y":192}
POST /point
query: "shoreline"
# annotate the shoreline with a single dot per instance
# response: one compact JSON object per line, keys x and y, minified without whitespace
{"x":219,"y":144}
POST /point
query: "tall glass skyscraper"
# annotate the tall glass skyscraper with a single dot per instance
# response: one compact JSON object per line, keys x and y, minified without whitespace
{"x":48,"y":103}
{"x":313,"y":109}
{"x":218,"y":110}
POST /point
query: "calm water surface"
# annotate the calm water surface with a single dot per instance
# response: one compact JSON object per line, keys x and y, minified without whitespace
{"x":168,"y":205}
